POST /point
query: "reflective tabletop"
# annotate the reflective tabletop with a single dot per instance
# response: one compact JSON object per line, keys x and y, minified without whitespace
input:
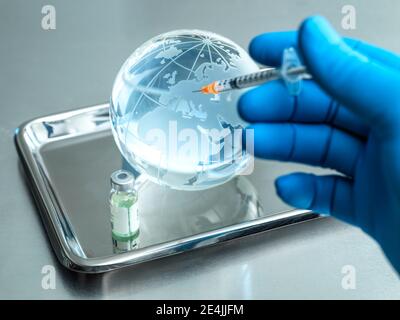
{"x":73,"y":66}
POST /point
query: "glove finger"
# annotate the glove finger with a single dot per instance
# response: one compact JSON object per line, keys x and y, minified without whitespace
{"x":268,"y":48}
{"x":323,"y":194}
{"x":271,"y":102}
{"x":318,"y":145}
{"x":380,"y":55}
{"x":367,"y":88}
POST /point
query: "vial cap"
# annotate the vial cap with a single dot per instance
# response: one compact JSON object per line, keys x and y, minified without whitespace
{"x":122,"y":180}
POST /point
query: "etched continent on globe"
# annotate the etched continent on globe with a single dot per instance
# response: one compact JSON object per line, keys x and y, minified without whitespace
{"x":178,"y":137}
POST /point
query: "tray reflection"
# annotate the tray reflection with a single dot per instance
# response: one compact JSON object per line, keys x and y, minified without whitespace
{"x":69,"y":158}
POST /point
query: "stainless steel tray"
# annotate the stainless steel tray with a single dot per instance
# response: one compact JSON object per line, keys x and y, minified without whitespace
{"x":68,"y":159}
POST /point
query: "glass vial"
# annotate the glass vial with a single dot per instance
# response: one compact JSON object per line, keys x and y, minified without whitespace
{"x":124,"y":211}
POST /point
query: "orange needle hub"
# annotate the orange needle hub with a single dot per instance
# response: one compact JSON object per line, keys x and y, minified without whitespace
{"x":210,"y":88}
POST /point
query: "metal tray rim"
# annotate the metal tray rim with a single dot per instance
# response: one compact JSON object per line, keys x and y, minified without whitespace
{"x":51,"y":215}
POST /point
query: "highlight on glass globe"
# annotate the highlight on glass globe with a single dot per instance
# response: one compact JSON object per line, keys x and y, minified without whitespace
{"x":164,"y":125}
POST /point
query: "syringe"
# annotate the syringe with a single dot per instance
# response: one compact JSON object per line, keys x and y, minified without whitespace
{"x":292,"y":72}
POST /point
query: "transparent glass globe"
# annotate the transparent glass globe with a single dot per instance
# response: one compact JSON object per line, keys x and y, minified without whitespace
{"x":180,"y":138}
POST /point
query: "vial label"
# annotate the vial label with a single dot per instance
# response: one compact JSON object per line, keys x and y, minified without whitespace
{"x":125,"y":221}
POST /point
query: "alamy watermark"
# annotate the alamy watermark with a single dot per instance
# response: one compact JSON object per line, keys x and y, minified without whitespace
{"x":349,"y":279}
{"x":229,"y":145}
{"x":49,"y":277}
{"x":49,"y":17}
{"x":349,"y":19}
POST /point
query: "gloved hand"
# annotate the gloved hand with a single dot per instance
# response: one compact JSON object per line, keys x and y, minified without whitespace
{"x":347,"y":118}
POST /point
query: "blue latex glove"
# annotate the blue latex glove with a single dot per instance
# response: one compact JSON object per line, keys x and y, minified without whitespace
{"x":347,"y":118}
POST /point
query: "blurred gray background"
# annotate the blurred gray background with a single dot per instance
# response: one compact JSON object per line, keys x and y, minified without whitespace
{"x":43,"y":72}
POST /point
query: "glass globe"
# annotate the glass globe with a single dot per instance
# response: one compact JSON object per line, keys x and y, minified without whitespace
{"x":178,"y":137}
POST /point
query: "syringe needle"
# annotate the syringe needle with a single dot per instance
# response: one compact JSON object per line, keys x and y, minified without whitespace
{"x":292,"y":72}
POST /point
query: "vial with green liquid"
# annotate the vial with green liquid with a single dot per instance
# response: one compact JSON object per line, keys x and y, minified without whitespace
{"x":124,"y":211}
